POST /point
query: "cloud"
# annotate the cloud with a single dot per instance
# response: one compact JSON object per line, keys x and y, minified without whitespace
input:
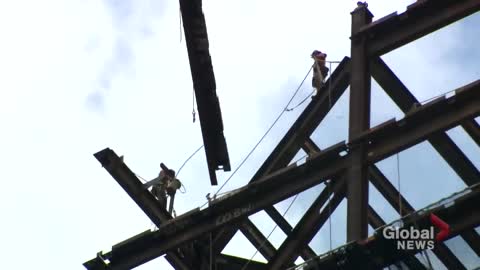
{"x":132,"y":22}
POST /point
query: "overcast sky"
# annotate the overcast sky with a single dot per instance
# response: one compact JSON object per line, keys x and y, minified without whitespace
{"x":82,"y":75}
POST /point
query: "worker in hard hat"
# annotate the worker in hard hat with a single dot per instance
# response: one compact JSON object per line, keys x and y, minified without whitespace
{"x":320,"y":70}
{"x":167,"y":184}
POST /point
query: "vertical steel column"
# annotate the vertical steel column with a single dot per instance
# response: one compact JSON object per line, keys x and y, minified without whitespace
{"x":359,"y":121}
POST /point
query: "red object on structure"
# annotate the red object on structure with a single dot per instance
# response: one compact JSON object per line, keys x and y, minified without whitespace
{"x":442,"y":225}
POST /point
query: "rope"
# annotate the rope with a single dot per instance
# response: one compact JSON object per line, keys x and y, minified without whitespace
{"x":196,"y":151}
{"x":330,"y":210}
{"x":193,"y":105}
{"x":399,"y":193}
{"x":304,"y":156}
{"x":211,"y":252}
{"x":427,"y":257}
{"x":264,"y":135}
{"x":268,"y":236}
{"x":311,"y":94}
{"x":301,"y":102}
{"x":180,"y":15}
{"x":330,"y":85}
{"x":141,"y":178}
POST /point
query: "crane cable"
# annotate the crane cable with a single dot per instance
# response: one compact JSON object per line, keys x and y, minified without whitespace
{"x":264,"y":135}
{"x":313,"y":91}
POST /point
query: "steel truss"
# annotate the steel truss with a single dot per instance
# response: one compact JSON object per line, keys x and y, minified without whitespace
{"x":195,"y":239}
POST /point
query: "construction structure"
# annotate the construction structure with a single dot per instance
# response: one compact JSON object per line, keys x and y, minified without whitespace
{"x":196,"y":239}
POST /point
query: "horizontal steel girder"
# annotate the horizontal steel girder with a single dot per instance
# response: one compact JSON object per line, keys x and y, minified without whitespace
{"x":420,"y":19}
{"x":463,"y":214}
{"x":383,"y":141}
{"x":442,"y":143}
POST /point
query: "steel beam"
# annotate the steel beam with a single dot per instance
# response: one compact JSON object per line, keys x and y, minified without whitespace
{"x":144,"y":199}
{"x":359,"y":121}
{"x":329,"y":163}
{"x":205,"y":87}
{"x":404,"y":99}
{"x":461,"y":215}
{"x":374,"y":218}
{"x":385,"y":187}
{"x":473,"y":129}
{"x":293,"y":140}
{"x":379,"y":145}
{"x":376,"y":222}
{"x":228,"y":262}
{"x":389,"y":192}
{"x":308,"y":226}
{"x":420,"y":19}
{"x":308,"y":121}
{"x":256,"y":237}
{"x":473,"y":240}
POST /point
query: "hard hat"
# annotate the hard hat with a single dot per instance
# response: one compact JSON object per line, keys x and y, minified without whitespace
{"x":315,"y":52}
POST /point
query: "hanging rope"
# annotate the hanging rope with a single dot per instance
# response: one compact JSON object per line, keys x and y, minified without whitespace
{"x":211,"y":252}
{"x":180,"y":19}
{"x":330,"y":210}
{"x":399,"y":191}
{"x":193,"y":105}
{"x":330,"y":85}
{"x":196,"y":151}
{"x":427,"y":258}
{"x":271,"y":232}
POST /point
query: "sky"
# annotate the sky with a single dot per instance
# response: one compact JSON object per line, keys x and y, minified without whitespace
{"x":83,"y":75}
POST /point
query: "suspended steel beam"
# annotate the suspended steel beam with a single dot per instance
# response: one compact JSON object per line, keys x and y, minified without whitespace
{"x":292,"y":142}
{"x":404,"y":99}
{"x":359,"y":121}
{"x":420,"y":19}
{"x":205,"y":87}
{"x":327,"y":164}
{"x":308,"y":226}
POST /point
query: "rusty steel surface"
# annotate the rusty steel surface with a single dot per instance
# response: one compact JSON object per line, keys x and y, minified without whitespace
{"x":182,"y":239}
{"x":445,"y":146}
{"x":359,"y":122}
{"x":205,"y":87}
{"x":326,"y":164}
{"x":417,"y":21}
{"x":459,"y":215}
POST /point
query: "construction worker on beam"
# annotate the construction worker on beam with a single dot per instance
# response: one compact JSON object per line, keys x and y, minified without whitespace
{"x":320,"y":70}
{"x":165,"y":184}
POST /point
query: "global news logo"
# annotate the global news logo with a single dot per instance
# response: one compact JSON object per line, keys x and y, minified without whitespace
{"x":418,"y":239}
